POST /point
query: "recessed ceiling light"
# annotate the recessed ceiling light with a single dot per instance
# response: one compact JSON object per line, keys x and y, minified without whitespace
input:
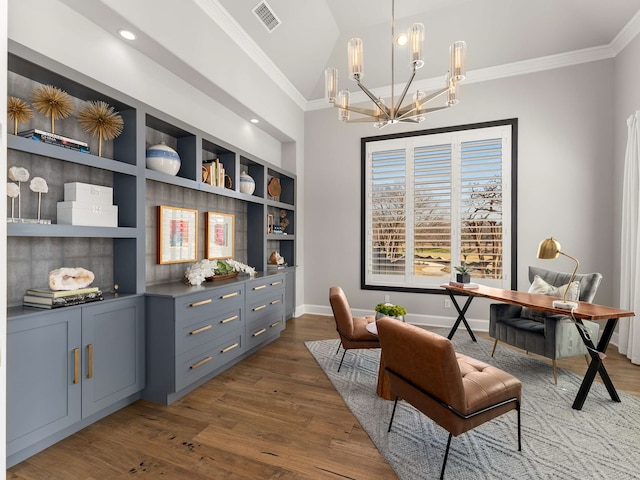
{"x":126,"y":34}
{"x":254,"y":120}
{"x":401,"y":39}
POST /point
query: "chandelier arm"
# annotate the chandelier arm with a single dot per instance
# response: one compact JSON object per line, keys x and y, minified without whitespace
{"x":396,"y":108}
{"x":362,"y":120}
{"x":375,"y":100}
{"x":412,"y":106}
{"x":363,"y":111}
{"x":420,"y":112}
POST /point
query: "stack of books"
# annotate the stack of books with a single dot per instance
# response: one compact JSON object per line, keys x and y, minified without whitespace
{"x":44,"y":298}
{"x":55,"y":139}
{"x":213,"y":173}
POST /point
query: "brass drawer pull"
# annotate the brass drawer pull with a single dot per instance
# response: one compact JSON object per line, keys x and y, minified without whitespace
{"x":259,"y":287}
{"x":200,"y":363}
{"x":259,"y":308}
{"x":276,"y":283}
{"x":90,"y":360}
{"x":203,"y":302}
{"x":230,"y":347}
{"x":259,"y":332}
{"x":275,"y":324}
{"x":230,"y":319}
{"x":275,"y":301}
{"x":76,"y":365}
{"x":229,"y":295}
{"x":201,"y":329}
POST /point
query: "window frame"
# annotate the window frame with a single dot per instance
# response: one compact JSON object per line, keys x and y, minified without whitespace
{"x":364,"y":141}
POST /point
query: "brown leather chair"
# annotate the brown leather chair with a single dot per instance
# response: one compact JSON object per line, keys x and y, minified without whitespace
{"x":352,"y":330}
{"x":455,"y":391}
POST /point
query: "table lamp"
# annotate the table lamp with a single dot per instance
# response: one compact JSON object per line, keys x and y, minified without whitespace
{"x":550,"y":248}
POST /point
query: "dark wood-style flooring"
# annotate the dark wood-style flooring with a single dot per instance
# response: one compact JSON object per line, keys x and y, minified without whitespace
{"x":275,"y":415}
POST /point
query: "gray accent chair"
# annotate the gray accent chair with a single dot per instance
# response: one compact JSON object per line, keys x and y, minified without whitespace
{"x":548,"y":335}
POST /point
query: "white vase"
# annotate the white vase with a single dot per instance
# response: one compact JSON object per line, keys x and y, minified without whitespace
{"x":247,"y":184}
{"x":163,"y":158}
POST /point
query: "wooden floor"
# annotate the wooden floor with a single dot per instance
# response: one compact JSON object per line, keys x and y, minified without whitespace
{"x":273,"y":416}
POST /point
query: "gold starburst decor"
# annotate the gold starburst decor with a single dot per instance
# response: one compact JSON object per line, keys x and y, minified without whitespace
{"x":18,"y":111}
{"x":52,"y":102}
{"x":99,"y":119}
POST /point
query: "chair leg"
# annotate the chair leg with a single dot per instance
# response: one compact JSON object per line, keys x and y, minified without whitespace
{"x":395,"y":404}
{"x":339,"y":366}
{"x":495,"y":344}
{"x":519,"y":430}
{"x":446,"y":455}
{"x":555,"y":372}
{"x":338,"y":349}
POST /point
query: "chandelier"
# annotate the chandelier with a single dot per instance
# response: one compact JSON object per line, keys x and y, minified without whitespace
{"x":413,"y":112}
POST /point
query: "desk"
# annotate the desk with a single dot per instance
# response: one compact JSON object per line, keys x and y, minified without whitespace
{"x":585,"y":311}
{"x":383,"y":389}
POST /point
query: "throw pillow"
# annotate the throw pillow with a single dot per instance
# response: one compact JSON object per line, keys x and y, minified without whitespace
{"x":540,"y":286}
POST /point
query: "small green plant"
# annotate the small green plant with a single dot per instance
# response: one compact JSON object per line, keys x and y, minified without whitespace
{"x":463,"y":268}
{"x":391,"y":310}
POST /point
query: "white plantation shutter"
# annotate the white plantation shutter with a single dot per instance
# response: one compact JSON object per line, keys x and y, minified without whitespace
{"x":435,"y":200}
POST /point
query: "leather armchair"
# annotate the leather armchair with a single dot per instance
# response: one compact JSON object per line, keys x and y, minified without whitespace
{"x":352,"y":330}
{"x":454,"y":390}
{"x":551,"y":336}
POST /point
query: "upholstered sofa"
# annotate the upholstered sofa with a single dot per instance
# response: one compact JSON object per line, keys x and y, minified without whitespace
{"x":551,"y":336}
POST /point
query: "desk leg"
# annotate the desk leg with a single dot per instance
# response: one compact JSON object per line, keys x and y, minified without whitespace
{"x":384,"y":388}
{"x":461,"y":317}
{"x":596,"y":365}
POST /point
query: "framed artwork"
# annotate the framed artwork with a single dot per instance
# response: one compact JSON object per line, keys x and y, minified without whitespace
{"x":219,"y":228}
{"x":177,"y":234}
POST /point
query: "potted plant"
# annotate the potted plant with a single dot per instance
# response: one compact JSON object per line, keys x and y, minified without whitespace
{"x":463,"y":275}
{"x":390,"y":310}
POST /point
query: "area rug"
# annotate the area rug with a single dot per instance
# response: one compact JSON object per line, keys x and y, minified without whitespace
{"x":601,"y":441}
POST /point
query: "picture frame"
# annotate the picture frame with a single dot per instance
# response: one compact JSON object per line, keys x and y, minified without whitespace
{"x":219,"y":235}
{"x":177,"y":235}
{"x":270,"y":223}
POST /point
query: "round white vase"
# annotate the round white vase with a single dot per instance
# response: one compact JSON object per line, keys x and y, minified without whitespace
{"x":163,"y":158}
{"x":247,"y":184}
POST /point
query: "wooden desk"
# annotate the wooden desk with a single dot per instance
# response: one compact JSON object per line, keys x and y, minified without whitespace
{"x":585,"y":311}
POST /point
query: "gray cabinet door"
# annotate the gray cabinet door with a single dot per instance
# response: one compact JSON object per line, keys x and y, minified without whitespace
{"x":113,"y":352}
{"x":43,"y":356}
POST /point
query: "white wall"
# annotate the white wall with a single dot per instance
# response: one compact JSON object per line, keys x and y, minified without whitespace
{"x":627,"y":101}
{"x":3,"y":235}
{"x":565,"y":164}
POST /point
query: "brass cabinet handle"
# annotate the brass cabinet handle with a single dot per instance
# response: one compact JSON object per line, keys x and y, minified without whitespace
{"x":229,"y":295}
{"x":203,"y":302}
{"x":276,"y":283}
{"x":230,"y":347}
{"x":201,"y":329}
{"x":90,"y":360}
{"x":275,"y":301}
{"x":230,"y":319}
{"x":259,"y":287}
{"x":76,"y":365}
{"x":200,"y":363}
{"x":259,"y":332}
{"x":275,"y":324}
{"x":259,"y":308}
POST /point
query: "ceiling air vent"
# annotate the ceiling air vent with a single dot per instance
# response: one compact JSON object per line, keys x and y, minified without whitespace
{"x":265,"y":14}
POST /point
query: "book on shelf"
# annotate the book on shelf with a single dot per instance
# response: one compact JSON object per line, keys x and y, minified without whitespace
{"x":45,"y":292}
{"x":34,"y":132}
{"x":50,"y":302}
{"x":469,"y":285}
{"x":58,"y":143}
{"x":271,"y":267}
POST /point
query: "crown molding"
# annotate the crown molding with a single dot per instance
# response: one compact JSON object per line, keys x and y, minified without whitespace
{"x":218,"y":14}
{"x":627,"y":34}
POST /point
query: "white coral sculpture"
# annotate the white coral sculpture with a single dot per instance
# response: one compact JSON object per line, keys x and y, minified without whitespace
{"x":20,"y":175}
{"x":39,"y":186}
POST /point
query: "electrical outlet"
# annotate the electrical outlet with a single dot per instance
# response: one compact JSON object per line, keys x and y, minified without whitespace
{"x":447,"y":303}
{"x":387,"y":299}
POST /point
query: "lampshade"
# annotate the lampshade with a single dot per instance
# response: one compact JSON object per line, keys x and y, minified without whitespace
{"x":331,"y":83}
{"x":354,"y":52}
{"x":457,"y":69}
{"x":549,"y":248}
{"x":416,"y":41}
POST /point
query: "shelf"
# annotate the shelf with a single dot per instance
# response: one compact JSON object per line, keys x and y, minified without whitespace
{"x":272,"y":236}
{"x":57,"y":230}
{"x":28,"y":145}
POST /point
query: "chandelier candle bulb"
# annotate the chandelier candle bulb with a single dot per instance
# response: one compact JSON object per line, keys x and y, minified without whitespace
{"x":343,"y":102}
{"x":458,"y":54}
{"x":355,"y":58}
{"x":416,"y":35}
{"x":331,"y":82}
{"x":452,"y":94}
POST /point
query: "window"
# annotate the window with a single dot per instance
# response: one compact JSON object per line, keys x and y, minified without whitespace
{"x":437,"y":198}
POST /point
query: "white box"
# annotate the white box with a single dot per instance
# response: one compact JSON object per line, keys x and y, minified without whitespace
{"x":87,"y":193}
{"x":87,"y":214}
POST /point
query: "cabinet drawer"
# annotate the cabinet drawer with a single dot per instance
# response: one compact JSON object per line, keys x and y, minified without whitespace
{"x":264,"y":329}
{"x":266,"y":285}
{"x":200,"y":306}
{"x":190,"y":335}
{"x":265,"y":306}
{"x":198,"y":363}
